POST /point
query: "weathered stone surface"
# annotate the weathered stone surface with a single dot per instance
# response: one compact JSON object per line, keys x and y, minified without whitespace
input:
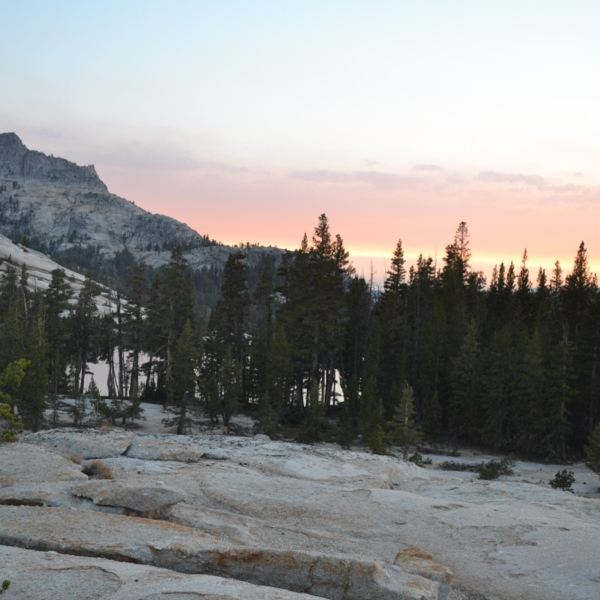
{"x":85,"y":444}
{"x":43,"y":575}
{"x":183,"y":549}
{"x":262,"y":501}
{"x":20,"y":462}
{"x":135,"y":497}
{"x":415,"y":560}
{"x":334,"y":577}
{"x":180,"y":448}
{"x":31,"y":475}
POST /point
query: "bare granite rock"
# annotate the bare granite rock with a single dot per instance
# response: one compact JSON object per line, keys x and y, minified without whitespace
{"x":43,"y":575}
{"x":180,"y":448}
{"x":182,"y":549}
{"x":30,"y":475}
{"x":83,"y":444}
{"x":250,"y":507}
{"x":141,"y":500}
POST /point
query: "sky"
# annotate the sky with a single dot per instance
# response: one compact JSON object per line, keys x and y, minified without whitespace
{"x":398,"y":119}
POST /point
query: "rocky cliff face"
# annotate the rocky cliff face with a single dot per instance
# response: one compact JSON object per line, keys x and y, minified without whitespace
{"x":17,"y":163}
{"x":62,"y":206}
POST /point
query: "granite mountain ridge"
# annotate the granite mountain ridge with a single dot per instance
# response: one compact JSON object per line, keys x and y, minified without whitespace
{"x":67,"y":212}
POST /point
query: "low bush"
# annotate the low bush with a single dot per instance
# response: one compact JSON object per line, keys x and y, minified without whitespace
{"x":418,"y":459}
{"x":563,"y":480}
{"x":493,"y":469}
{"x":487,"y":470}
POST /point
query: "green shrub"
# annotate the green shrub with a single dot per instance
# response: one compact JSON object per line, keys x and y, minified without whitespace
{"x":9,"y":426}
{"x":493,"y":469}
{"x":418,"y":459}
{"x":563,"y":480}
{"x":487,"y":470}
{"x":451,"y":465}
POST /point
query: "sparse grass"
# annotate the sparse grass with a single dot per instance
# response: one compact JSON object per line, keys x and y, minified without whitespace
{"x":98,"y":470}
{"x":75,"y":458}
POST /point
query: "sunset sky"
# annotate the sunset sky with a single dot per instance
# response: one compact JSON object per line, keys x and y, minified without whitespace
{"x":398,"y":119}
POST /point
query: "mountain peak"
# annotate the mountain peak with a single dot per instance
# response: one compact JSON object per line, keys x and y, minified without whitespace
{"x":10,"y":140}
{"x":20,"y":164}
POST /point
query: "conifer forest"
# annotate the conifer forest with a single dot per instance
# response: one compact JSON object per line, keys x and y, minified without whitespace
{"x":315,"y":352}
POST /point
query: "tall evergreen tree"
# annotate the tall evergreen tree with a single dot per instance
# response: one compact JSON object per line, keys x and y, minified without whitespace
{"x":231,"y":313}
{"x":403,"y":429}
{"x":134,"y":326}
{"x":170,"y":306}
{"x":57,"y":306}
{"x":185,"y":363}
{"x":34,"y":387}
{"x":84,"y":328}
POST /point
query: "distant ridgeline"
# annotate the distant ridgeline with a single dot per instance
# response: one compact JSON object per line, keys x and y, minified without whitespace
{"x":65,"y":211}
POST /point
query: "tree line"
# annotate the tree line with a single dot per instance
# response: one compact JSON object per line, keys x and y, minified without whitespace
{"x":315,"y":352}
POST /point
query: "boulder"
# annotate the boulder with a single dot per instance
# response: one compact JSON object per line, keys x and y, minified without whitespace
{"x":151,"y":501}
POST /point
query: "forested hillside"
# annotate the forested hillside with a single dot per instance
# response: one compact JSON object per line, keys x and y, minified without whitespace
{"x":316,"y":353}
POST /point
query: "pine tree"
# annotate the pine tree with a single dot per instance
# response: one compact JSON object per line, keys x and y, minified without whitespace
{"x":134,"y":328}
{"x":231,"y":313}
{"x":315,"y":421}
{"x":230,"y":387}
{"x":56,"y":307}
{"x":230,"y":321}
{"x":465,"y":383}
{"x":530,"y":391}
{"x":10,"y":381}
{"x":494,"y":422}
{"x":34,"y":387}
{"x":432,"y":424}
{"x":403,"y":429}
{"x":395,"y":280}
{"x":592,"y":450}
{"x":170,"y":306}
{"x":280,"y":375}
{"x":314,"y":312}
{"x":185,"y":362}
{"x":376,"y":439}
{"x":391,"y":313}
{"x":556,"y":426}
{"x":84,"y":328}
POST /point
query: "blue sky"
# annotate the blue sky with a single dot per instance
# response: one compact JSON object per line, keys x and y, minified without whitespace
{"x":398,"y":119}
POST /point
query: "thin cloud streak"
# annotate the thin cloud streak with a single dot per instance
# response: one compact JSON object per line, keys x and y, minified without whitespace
{"x":427,"y":168}
{"x":370,"y":177}
{"x":495,"y":177}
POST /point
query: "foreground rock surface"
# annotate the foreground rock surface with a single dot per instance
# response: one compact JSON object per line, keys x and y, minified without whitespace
{"x":243,"y":499}
{"x":156,"y":543}
{"x":42,"y":575}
